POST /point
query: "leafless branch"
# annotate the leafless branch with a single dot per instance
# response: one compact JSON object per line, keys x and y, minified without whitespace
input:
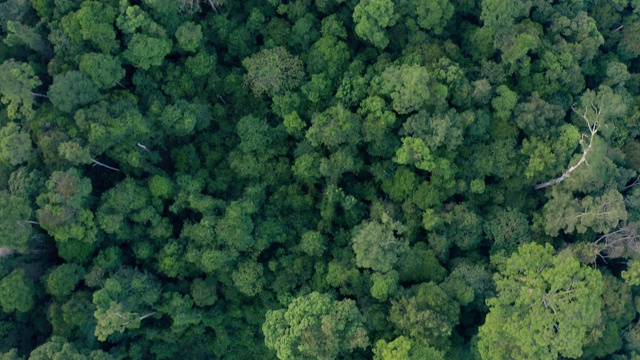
{"x":96,"y":162}
{"x":620,"y":242}
{"x":593,"y":129}
{"x":143,"y":147}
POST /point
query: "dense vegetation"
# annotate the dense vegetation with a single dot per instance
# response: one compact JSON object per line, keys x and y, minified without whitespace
{"x":297,"y":179}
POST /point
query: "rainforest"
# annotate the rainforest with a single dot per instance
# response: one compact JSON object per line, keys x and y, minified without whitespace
{"x":319,"y":179}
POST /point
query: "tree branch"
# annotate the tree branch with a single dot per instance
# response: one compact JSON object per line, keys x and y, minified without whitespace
{"x":96,"y":162}
{"x":593,"y":129}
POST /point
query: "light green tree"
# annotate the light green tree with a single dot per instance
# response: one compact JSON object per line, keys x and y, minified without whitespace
{"x":103,"y":69}
{"x":17,"y":81}
{"x":315,"y":326}
{"x":599,"y":213}
{"x":378,"y":245}
{"x":544,"y":306}
{"x":144,"y":51}
{"x":372,"y":17}
{"x":189,"y":36}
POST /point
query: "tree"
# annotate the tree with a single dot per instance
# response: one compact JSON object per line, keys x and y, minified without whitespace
{"x":544,"y":306}
{"x":335,"y":126}
{"x":62,"y":280}
{"x":434,"y":14}
{"x":15,"y":145}
{"x":507,"y":228}
{"x":63,"y":208}
{"x":103,"y":69}
{"x":499,"y":14}
{"x":329,"y":56}
{"x":125,"y":300}
{"x":315,"y":326}
{"x":180,"y":309}
{"x":427,"y":313}
{"x":415,"y":152}
{"x":372,"y":17}
{"x":377,"y":246}
{"x":71,"y":91}
{"x":402,"y":348}
{"x":248,"y":277}
{"x":93,"y":22}
{"x":623,"y":241}
{"x":599,"y":213}
{"x":410,"y":86}
{"x":194,"y":5}
{"x":144,"y":51}
{"x":17,"y":292}
{"x":593,"y":126}
{"x":126,"y":213}
{"x":273,"y":71}
{"x":189,"y":36}
{"x":204,"y":292}
{"x":21,"y":34}
{"x":114,"y":127}
{"x":17,"y":81}
{"x":505,"y":102}
{"x":384,"y":285}
{"x":55,"y":348}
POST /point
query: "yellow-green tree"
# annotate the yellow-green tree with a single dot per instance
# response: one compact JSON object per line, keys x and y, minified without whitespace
{"x":544,"y":306}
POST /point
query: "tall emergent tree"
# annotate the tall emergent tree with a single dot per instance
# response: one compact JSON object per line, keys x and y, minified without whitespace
{"x":544,"y":307}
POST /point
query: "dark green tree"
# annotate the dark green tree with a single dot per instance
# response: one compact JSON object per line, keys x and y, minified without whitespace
{"x":17,"y":292}
{"x":71,"y":91}
{"x":64,"y":209}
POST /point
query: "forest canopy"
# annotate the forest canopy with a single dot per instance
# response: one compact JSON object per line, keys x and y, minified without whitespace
{"x":330,"y":179}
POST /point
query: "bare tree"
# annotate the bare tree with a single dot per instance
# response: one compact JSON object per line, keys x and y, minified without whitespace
{"x":194,"y":5}
{"x":620,"y":242}
{"x":586,"y":148}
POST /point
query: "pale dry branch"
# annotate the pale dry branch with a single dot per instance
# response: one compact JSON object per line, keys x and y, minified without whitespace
{"x":619,"y":243}
{"x":593,"y":129}
{"x":96,"y":162}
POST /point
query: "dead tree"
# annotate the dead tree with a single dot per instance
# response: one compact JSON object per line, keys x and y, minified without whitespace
{"x":586,"y":148}
{"x":621,"y":242}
